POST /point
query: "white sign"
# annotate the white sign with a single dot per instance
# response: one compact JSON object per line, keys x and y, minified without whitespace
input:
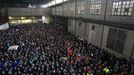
{"x":15,"y":47}
{"x":4,"y":26}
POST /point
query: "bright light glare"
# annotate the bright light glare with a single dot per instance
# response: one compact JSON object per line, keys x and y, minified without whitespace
{"x":54,"y":2}
{"x":59,"y":1}
{"x":10,"y":17}
{"x":44,"y":6}
{"x":25,"y":21}
{"x":45,"y":19}
{"x":30,"y":6}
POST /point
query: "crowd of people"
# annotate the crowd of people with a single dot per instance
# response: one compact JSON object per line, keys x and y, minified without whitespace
{"x":49,"y":50}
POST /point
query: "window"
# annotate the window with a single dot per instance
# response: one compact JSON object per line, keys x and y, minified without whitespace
{"x":80,"y":23}
{"x":122,"y":7}
{"x":95,"y":7}
{"x":71,"y":8}
{"x":116,"y":39}
{"x":81,"y":7}
{"x":53,"y":11}
{"x":59,"y":10}
{"x":65,"y":8}
{"x":93,"y":27}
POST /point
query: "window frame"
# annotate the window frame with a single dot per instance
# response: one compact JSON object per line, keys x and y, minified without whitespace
{"x":122,"y":7}
{"x":81,"y":7}
{"x":116,"y":40}
{"x":72,"y":8}
{"x":93,"y":9}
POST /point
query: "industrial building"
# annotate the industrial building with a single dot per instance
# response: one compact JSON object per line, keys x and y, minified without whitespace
{"x":106,"y":24}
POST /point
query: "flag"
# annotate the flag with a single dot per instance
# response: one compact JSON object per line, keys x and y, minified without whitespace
{"x":68,"y":52}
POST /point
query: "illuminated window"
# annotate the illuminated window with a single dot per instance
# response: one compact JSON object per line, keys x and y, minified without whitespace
{"x":122,"y":7}
{"x":95,"y":7}
{"x":116,"y":39}
{"x":81,"y":7}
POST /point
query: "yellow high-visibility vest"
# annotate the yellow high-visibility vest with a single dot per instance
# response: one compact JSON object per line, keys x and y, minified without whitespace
{"x":106,"y":70}
{"x":89,"y":73}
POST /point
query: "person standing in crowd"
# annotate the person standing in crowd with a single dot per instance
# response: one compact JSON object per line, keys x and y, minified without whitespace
{"x":49,"y":50}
